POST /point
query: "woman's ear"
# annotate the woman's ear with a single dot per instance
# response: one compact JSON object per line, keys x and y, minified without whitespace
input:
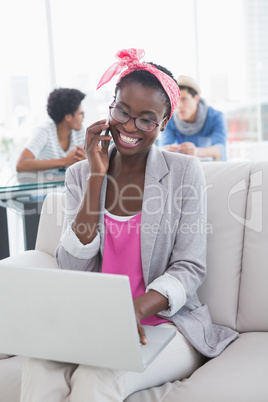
{"x":197,"y":98}
{"x":164,"y":124}
{"x":68,"y":117}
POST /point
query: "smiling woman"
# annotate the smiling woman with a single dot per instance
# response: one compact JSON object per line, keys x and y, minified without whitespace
{"x":134,"y":185}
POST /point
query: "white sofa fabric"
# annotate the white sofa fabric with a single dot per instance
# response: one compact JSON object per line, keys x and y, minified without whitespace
{"x":235,"y":289}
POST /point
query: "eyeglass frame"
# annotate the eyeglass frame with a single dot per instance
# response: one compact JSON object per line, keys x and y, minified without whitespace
{"x":134,"y":118}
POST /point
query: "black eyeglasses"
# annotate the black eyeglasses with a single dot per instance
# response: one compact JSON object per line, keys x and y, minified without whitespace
{"x":140,"y":122}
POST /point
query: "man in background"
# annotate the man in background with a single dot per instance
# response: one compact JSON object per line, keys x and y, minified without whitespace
{"x":195,"y":128}
{"x":59,"y":142}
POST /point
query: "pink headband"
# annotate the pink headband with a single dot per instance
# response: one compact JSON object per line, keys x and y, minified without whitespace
{"x":130,"y":58}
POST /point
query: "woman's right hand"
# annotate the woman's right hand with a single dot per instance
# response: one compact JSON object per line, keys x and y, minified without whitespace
{"x":75,"y":155}
{"x":172,"y":148}
{"x":97,"y":154}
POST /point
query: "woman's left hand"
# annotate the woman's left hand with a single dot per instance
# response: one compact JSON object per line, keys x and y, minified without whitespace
{"x":146,"y":305}
{"x":80,"y":152}
{"x":188,"y":148}
{"x":141,"y":330}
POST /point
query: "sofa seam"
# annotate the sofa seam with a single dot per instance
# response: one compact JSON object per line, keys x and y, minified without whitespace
{"x":243,"y":246}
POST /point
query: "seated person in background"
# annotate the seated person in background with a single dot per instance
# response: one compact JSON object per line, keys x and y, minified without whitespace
{"x":195,"y":128}
{"x":60,"y":141}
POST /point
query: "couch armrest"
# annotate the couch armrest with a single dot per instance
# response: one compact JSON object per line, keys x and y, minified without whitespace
{"x":32,"y":258}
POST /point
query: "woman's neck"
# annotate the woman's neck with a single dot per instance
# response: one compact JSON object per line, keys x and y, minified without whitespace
{"x":63,"y":130}
{"x":125,"y":164}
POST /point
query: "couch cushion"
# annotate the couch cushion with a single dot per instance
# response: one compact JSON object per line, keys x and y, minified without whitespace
{"x":239,"y":374}
{"x":227,"y":186}
{"x":155,"y":394}
{"x":253,"y":300}
{"x":10,"y":378}
{"x":32,"y":258}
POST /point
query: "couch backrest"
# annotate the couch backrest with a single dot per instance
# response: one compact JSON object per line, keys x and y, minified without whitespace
{"x":253,"y":296}
{"x":236,"y":285}
{"x":50,"y":224}
{"x":220,"y":289}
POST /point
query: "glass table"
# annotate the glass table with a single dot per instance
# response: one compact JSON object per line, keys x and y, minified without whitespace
{"x":14,"y":184}
{"x":22,"y":196}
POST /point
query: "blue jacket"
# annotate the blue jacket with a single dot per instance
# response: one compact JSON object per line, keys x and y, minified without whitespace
{"x":213,"y":133}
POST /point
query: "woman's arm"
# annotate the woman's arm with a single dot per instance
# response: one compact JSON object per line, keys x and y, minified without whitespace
{"x":186,"y":264}
{"x":219,"y":136}
{"x":85,"y":224}
{"x":99,"y":162}
{"x":79,"y":246}
{"x":71,"y":253}
{"x":189,"y":148}
{"x":213,"y":152}
{"x":28,"y":163}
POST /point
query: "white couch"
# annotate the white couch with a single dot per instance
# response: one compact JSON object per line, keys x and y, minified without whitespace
{"x":235,"y":289}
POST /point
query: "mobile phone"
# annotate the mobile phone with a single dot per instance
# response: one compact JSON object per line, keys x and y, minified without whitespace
{"x":105,"y":132}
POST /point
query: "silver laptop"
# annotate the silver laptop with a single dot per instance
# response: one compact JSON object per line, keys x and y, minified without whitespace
{"x":75,"y":317}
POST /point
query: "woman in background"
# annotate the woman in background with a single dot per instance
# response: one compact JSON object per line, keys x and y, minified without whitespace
{"x":59,"y":142}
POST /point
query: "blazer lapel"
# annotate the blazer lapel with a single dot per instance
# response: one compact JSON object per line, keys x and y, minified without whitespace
{"x":154,"y":200}
{"x":102,"y":204}
{"x":101,"y":217}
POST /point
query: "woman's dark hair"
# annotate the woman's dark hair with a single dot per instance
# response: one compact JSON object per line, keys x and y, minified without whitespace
{"x":190,"y":90}
{"x":63,"y":101}
{"x":147,"y":79}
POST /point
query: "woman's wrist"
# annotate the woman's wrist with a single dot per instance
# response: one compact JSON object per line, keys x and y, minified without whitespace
{"x":149,"y":304}
{"x":62,"y":162}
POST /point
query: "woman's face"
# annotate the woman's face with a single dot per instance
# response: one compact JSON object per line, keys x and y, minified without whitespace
{"x":75,"y":121}
{"x":187,"y":106}
{"x":137,"y":101}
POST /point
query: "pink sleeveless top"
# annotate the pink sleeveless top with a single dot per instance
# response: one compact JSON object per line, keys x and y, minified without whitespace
{"x":122,"y":254}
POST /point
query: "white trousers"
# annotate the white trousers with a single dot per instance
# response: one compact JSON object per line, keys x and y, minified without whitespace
{"x":47,"y":381}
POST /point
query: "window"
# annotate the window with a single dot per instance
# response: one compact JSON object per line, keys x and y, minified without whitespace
{"x":222,"y":44}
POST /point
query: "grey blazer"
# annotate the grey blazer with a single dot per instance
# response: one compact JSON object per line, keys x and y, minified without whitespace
{"x":173,"y":237}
